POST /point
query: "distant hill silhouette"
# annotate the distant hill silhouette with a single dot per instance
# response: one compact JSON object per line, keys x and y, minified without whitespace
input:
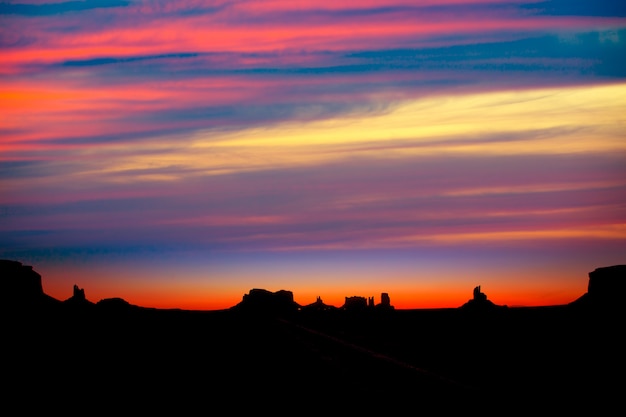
{"x":22,"y":292}
{"x":22,"y":289}
{"x":479,"y":302}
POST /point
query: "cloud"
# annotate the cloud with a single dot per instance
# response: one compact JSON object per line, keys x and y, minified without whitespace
{"x":284,"y":126}
{"x":578,"y":8}
{"x":106,"y":61}
{"x":56,"y":8}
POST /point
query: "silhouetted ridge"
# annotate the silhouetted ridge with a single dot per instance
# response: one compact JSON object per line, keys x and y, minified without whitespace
{"x":606,"y":288}
{"x":22,"y":289}
{"x":21,"y":286}
{"x":78,"y":299}
{"x":318,"y":305}
{"x":355,"y":303}
{"x":479,"y":302}
{"x":264,"y":301}
{"x":116,"y":306}
{"x":360,"y":303}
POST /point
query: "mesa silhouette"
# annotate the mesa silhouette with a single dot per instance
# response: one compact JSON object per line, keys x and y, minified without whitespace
{"x":24,"y":290}
{"x":270,"y":354}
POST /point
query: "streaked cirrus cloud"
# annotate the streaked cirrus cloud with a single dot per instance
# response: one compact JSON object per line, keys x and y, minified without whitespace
{"x":434,"y":130}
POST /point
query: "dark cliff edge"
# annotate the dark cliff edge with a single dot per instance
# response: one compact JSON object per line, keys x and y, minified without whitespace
{"x":606,"y":290}
{"x":360,"y":357}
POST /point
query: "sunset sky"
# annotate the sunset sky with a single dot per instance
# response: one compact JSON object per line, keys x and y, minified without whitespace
{"x":179,"y":153}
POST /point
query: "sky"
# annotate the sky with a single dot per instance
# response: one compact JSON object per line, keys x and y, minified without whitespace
{"x":178,"y":154}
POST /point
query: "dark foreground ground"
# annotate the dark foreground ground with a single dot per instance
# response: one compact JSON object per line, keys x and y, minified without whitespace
{"x":551,"y":360}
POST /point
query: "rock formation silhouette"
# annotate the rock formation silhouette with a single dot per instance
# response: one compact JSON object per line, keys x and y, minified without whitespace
{"x":605,"y":289}
{"x":355,"y":303}
{"x":385,"y":303}
{"x":479,"y":302}
{"x":78,"y":299}
{"x":22,"y":287}
{"x":22,"y":292}
{"x":318,"y":305}
{"x":519,"y":356}
{"x":263,"y":301}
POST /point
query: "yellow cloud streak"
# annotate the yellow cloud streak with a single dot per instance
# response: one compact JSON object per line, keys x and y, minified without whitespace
{"x":533,"y":188}
{"x":612,"y":231}
{"x":455,"y":116}
{"x":542,"y":121}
